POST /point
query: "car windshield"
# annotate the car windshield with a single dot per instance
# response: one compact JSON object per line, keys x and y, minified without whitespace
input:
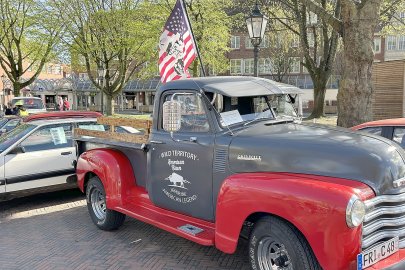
{"x":3,"y":121}
{"x":236,"y":110}
{"x":14,"y":135}
{"x":29,"y":103}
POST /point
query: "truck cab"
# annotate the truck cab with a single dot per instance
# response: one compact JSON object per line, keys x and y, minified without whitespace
{"x":227,"y":155}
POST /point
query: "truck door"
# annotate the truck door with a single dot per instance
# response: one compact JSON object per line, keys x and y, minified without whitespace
{"x":180,"y":168}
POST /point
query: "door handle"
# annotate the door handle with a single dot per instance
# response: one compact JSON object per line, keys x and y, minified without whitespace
{"x":157,"y":142}
{"x":66,"y":153}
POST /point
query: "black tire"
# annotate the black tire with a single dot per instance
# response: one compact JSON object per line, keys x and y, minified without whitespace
{"x":276,"y":244}
{"x":104,"y":218}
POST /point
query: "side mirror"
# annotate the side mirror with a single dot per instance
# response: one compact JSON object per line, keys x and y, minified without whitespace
{"x":17,"y":150}
{"x":171,"y":116}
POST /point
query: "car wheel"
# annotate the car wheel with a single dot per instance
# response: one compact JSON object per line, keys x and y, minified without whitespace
{"x":103,"y":217}
{"x":276,"y":244}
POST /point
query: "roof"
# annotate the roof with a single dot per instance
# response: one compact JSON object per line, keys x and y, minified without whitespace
{"x":41,"y":122}
{"x":234,"y":86}
{"x":62,"y":115}
{"x":385,"y":122}
{"x":26,"y":98}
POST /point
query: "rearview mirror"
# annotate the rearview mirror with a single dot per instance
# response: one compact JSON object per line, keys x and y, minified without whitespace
{"x":17,"y":150}
{"x":171,"y":116}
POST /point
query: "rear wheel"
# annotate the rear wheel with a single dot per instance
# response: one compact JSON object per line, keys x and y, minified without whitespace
{"x":277,"y":245}
{"x":103,"y":217}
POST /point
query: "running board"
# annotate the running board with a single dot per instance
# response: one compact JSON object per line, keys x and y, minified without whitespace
{"x":196,"y":230}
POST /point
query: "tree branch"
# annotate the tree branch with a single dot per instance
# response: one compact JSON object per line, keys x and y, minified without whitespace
{"x":335,"y":23}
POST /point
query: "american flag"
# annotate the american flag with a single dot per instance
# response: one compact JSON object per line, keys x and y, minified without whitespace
{"x":176,"y":48}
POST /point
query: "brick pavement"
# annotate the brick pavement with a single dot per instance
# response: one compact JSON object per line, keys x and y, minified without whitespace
{"x":54,"y":231}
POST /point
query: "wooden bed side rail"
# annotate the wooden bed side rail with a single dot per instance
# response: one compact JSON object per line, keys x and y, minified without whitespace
{"x":141,"y":124}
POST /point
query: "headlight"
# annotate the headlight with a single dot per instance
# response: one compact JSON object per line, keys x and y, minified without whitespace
{"x":355,"y":212}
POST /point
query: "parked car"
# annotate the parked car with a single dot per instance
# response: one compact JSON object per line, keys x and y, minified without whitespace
{"x":393,"y":129}
{"x":37,"y":155}
{"x":8,"y":123}
{"x":32,"y":104}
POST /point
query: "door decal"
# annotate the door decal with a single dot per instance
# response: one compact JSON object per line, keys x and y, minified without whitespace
{"x":177,"y":188}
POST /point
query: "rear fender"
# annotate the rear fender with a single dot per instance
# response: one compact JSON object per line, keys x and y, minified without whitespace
{"x":315,"y":205}
{"x":114,"y":170}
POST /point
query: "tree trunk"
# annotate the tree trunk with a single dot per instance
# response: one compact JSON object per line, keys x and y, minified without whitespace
{"x":195,"y":68}
{"x":319,"y":99}
{"x":109,"y":105}
{"x":17,"y":89}
{"x":356,"y":89}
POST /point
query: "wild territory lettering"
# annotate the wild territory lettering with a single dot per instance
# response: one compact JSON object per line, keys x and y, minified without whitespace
{"x":178,"y":153}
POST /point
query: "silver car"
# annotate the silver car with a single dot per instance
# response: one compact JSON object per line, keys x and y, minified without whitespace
{"x":38,"y":156}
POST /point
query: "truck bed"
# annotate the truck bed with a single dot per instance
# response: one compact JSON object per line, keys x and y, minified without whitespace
{"x":134,"y":146}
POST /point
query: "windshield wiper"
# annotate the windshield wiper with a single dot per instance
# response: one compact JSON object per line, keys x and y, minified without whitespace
{"x":251,"y":121}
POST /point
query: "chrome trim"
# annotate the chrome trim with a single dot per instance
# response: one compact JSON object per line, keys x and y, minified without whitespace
{"x":372,"y":239}
{"x":399,"y":182}
{"x":385,"y":198}
{"x":369,"y":228}
{"x":349,"y":209}
{"x":383,"y":211}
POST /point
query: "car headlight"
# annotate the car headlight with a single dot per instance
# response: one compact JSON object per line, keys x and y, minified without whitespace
{"x":355,"y":212}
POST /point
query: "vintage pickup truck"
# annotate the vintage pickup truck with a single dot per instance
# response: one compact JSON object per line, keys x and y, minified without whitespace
{"x":226,"y":157}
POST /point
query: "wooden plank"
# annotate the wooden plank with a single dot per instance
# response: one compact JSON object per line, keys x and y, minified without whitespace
{"x":130,"y":122}
{"x":123,"y":137}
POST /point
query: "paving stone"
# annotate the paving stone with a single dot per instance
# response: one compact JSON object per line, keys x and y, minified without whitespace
{"x":54,"y":231}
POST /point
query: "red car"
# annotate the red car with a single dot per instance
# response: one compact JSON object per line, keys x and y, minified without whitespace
{"x":393,"y":129}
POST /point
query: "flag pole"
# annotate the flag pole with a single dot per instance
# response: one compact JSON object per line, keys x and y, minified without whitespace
{"x":192,"y":34}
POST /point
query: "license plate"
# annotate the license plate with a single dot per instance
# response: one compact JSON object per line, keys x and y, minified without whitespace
{"x":378,"y":253}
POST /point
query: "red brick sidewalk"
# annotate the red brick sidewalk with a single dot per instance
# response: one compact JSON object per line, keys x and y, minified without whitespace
{"x":47,"y":232}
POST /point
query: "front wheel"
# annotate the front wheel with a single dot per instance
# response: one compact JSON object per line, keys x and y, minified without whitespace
{"x":276,"y":245}
{"x":103,"y":217}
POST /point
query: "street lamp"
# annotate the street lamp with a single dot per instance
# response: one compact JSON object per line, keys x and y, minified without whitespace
{"x":256,"y":25}
{"x":3,"y":80}
{"x":101,"y":74}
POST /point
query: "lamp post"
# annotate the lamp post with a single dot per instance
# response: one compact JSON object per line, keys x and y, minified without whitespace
{"x":101,"y":74}
{"x":3,"y":80}
{"x":256,"y":25}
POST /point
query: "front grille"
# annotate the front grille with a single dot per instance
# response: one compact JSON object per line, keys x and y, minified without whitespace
{"x":385,"y":219}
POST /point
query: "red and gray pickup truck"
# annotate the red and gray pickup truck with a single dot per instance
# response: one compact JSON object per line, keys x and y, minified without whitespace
{"x":226,"y":155}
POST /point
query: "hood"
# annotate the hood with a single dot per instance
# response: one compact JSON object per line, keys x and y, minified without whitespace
{"x":319,"y":150}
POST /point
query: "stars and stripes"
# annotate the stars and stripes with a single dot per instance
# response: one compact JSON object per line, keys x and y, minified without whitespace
{"x":176,"y":48}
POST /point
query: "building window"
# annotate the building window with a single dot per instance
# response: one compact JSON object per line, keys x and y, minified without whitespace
{"x":236,"y":66}
{"x":248,"y":43}
{"x":377,"y":45}
{"x":391,"y":43}
{"x":265,"y":42}
{"x":295,"y":63}
{"x":235,"y":42}
{"x":401,"y":43}
{"x":264,"y":66}
{"x":311,"y":39}
{"x":57,"y":69}
{"x":295,"y":42}
{"x":212,"y":71}
{"x":49,"y":69}
{"x":249,"y":66}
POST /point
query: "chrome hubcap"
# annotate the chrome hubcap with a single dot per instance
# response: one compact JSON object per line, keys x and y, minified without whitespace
{"x":273,"y":255}
{"x":98,"y":203}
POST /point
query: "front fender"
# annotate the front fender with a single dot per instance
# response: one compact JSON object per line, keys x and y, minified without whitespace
{"x":114,"y":170}
{"x":315,"y":205}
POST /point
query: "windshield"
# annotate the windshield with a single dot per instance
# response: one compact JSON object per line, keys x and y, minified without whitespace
{"x":282,"y":106}
{"x":14,"y":135}
{"x":236,"y":110}
{"x":29,"y":103}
